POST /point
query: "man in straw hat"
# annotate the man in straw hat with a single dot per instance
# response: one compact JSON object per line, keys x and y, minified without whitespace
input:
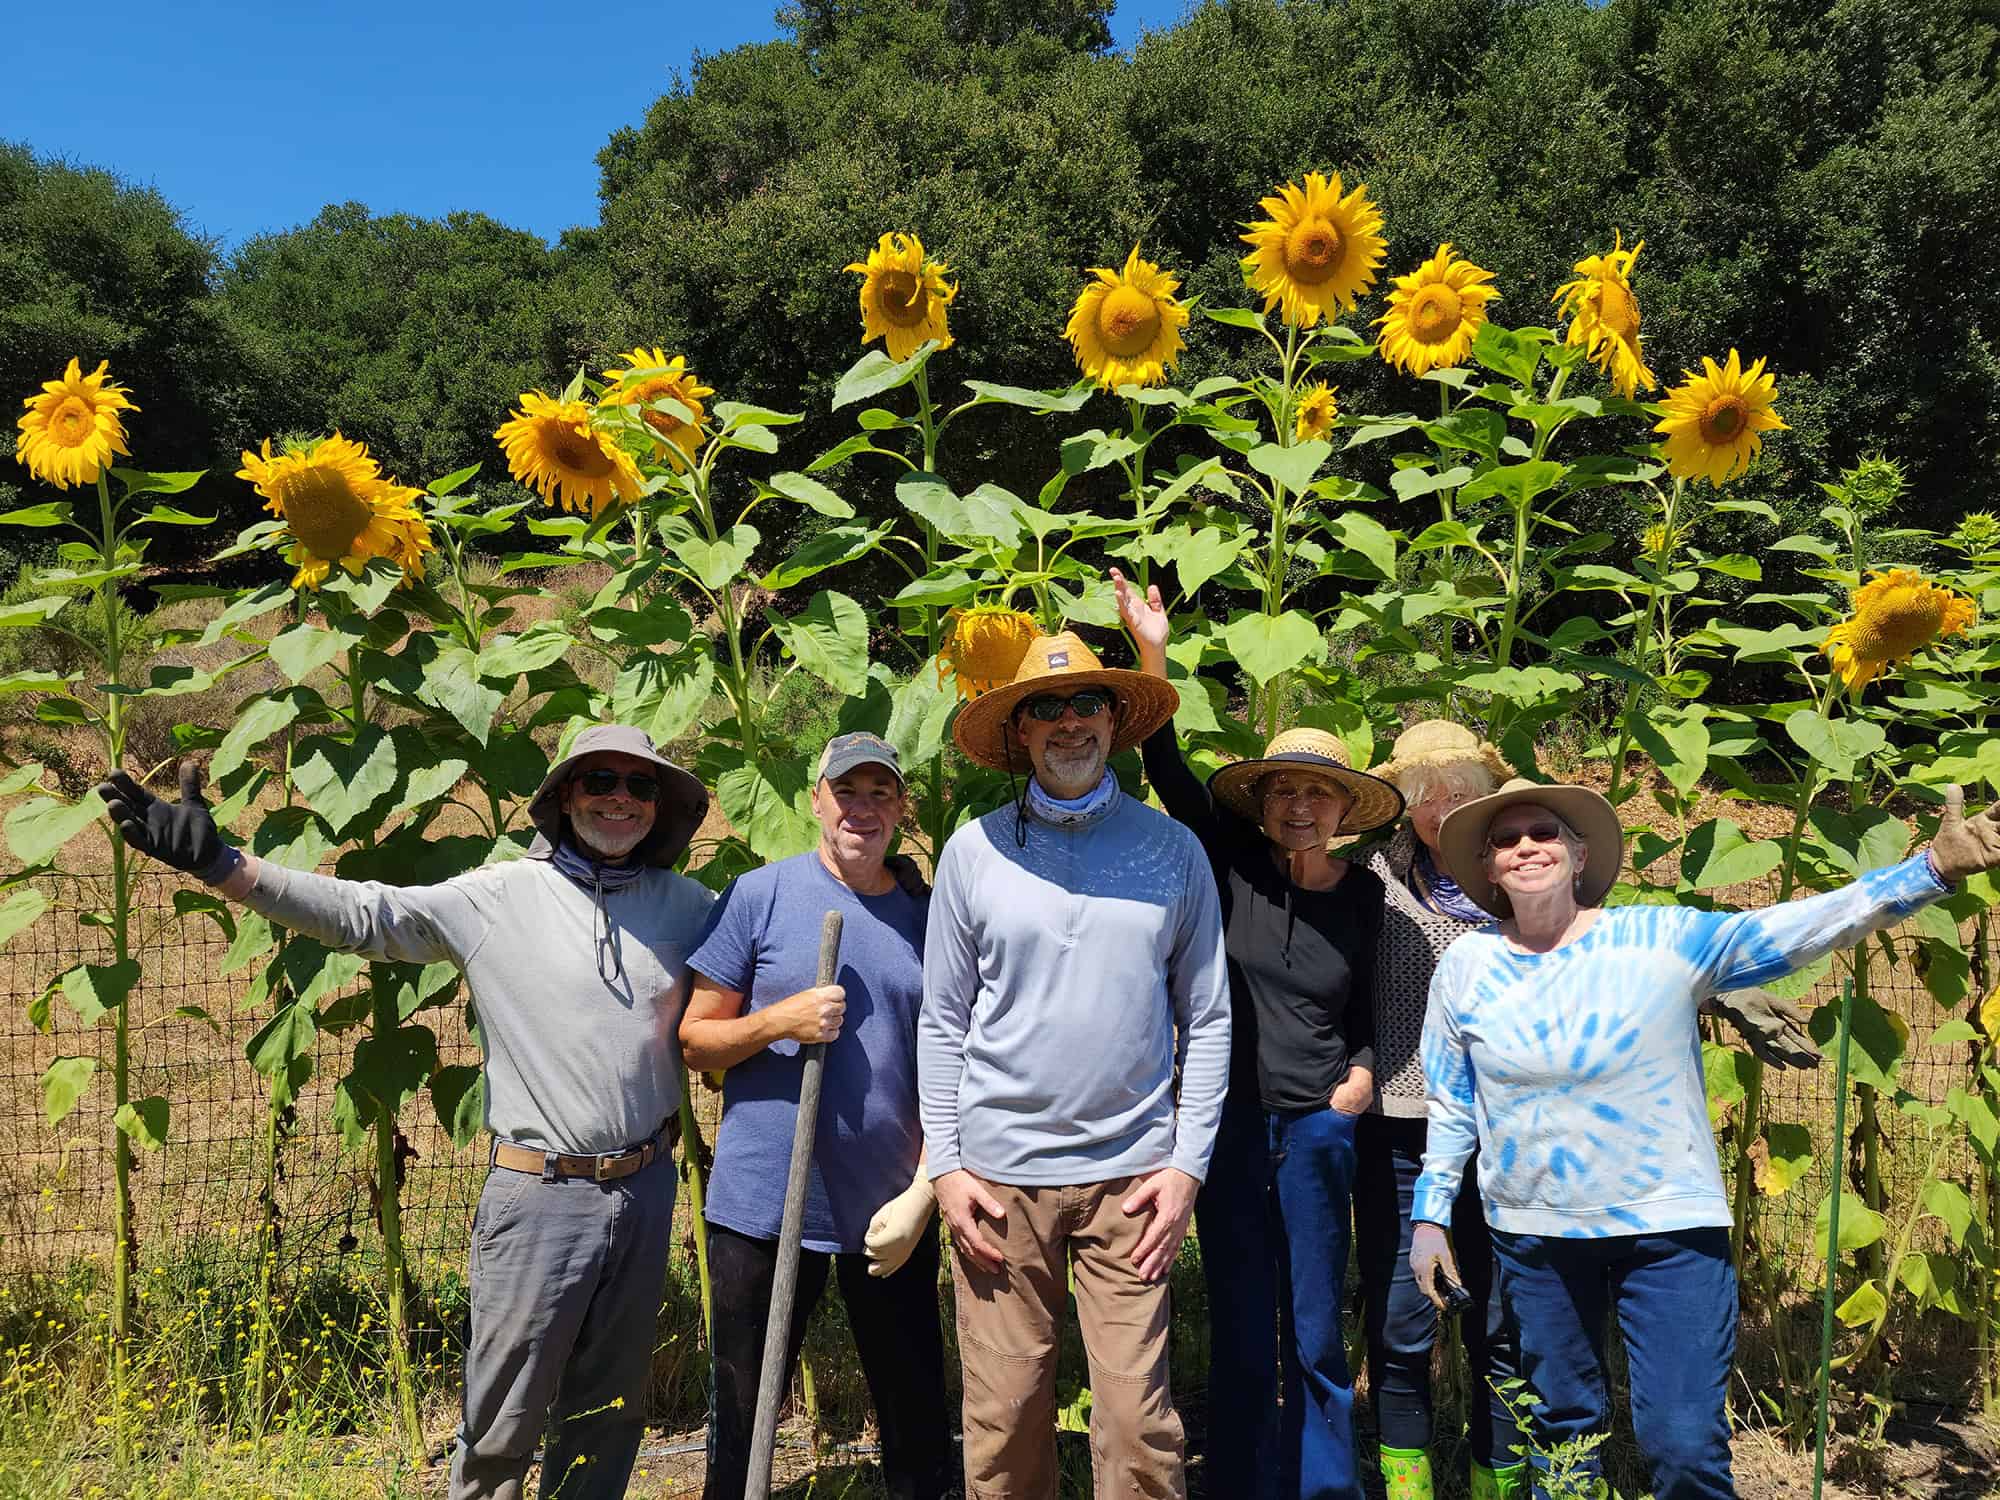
{"x":576,"y":960}
{"x":1073,"y":963}
{"x":1299,"y":926}
{"x":1561,"y":1044}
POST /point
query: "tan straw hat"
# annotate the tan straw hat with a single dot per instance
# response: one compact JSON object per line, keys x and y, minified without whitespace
{"x":1462,"y":839}
{"x":1376,"y":802}
{"x":1060,"y":663}
{"x":1440,"y":742}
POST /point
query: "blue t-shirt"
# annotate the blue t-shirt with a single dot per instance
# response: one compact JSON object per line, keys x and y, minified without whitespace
{"x":762,"y":940}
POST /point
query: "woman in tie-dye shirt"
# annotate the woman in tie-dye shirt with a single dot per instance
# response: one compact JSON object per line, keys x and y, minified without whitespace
{"x":1562,"y":1045}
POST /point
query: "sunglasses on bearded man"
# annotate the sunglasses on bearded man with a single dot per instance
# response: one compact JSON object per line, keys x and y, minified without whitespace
{"x":638,"y":785}
{"x":1047,"y":708}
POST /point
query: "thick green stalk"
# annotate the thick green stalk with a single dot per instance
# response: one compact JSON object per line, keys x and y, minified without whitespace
{"x":1643,"y":648}
{"x":1832,"y":1248}
{"x":382,"y":1022}
{"x":691,"y":1171}
{"x":1982,"y":1205}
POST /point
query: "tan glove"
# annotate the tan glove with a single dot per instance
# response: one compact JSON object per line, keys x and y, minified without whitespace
{"x":1773,"y":1029}
{"x":898,"y":1225}
{"x":1965,"y":846}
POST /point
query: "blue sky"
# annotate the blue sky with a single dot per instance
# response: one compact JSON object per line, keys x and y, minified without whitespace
{"x":251,"y":116}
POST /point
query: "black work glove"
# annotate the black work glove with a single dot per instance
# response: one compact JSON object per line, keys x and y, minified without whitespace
{"x":907,"y":875}
{"x":180,"y":834}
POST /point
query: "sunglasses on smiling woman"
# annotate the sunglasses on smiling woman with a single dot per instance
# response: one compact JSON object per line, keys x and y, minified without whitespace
{"x":638,"y":785}
{"x":1540,"y":833}
{"x":1047,"y":708}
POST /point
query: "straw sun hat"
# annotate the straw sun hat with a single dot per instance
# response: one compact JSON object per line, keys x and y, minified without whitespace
{"x":1063,"y":664}
{"x":1462,"y":839}
{"x":1376,"y":802}
{"x":1440,"y":742}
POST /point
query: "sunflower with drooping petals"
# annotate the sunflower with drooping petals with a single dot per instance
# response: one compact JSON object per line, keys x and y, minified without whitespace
{"x":1317,"y":408}
{"x":1895,"y":615}
{"x":338,"y":510}
{"x":1126,"y":325}
{"x":552,"y":448}
{"x":1603,"y":315}
{"x":650,"y":376}
{"x":71,"y":431}
{"x":904,"y":296}
{"x":1316,"y":252}
{"x":983,"y":647}
{"x":1712,"y":421}
{"x":1434,"y":313}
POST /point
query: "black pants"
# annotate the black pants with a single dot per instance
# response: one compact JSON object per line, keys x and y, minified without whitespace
{"x":895,"y":1322}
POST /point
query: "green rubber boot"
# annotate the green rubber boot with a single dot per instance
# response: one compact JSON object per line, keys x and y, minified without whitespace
{"x":1509,"y":1482}
{"x":1407,"y":1473}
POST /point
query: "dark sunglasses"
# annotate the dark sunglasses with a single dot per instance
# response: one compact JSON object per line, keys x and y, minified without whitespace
{"x":1048,"y":707}
{"x":640,"y":786}
{"x":1541,"y":833}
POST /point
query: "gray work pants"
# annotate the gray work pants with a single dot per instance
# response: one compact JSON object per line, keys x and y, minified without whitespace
{"x":567,"y":1278}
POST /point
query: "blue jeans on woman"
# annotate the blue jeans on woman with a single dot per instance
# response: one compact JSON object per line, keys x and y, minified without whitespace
{"x":1273,"y":1223}
{"x":1401,"y":1322}
{"x":1675,"y":1296}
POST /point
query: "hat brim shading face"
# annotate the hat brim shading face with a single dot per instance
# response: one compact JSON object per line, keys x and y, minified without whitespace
{"x":984,"y":728}
{"x":1462,"y":839}
{"x":683,"y":800}
{"x":1374,"y":803}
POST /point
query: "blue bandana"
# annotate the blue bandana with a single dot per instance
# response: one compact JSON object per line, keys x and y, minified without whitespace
{"x":1445,"y":893}
{"x":588,"y":873}
{"x":1068,"y":812}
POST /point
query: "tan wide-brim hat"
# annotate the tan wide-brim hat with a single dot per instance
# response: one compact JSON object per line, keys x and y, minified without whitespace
{"x":1376,"y":802}
{"x":1462,"y":839}
{"x":1062,"y":663}
{"x":1440,"y":742}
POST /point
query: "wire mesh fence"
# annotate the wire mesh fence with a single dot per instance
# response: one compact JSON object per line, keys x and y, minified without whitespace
{"x":189,"y":1030}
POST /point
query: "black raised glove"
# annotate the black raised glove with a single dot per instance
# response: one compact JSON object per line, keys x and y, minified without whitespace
{"x":181,"y":834}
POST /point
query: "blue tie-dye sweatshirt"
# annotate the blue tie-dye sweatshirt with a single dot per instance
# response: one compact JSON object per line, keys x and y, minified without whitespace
{"x":1577,"y":1073}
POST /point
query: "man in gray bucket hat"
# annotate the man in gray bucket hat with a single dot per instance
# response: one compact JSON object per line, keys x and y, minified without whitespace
{"x":576,"y":958}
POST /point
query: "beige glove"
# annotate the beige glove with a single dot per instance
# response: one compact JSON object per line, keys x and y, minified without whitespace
{"x":1773,"y":1029}
{"x":898,"y":1225}
{"x":1965,"y":846}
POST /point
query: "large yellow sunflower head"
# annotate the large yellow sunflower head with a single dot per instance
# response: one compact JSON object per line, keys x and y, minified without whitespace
{"x":71,"y":430}
{"x":338,"y":510}
{"x":1434,"y":312}
{"x":1712,"y":421}
{"x":983,"y":647}
{"x":1126,"y":325}
{"x":1316,"y":252}
{"x":649,"y":376}
{"x":1316,"y":410}
{"x":1604,"y":315}
{"x":552,"y":448}
{"x":903,"y":296}
{"x":1895,"y":615}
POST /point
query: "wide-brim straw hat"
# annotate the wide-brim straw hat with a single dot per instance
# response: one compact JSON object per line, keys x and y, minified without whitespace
{"x":1061,"y":663}
{"x":1376,"y":802}
{"x":1439,"y":742}
{"x":1462,"y":839}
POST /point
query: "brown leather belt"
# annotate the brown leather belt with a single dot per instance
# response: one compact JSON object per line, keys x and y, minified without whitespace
{"x":606,"y":1168}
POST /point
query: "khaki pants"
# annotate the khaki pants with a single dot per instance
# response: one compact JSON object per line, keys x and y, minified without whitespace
{"x":1008,"y":1332}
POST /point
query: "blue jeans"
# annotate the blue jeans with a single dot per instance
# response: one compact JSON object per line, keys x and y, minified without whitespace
{"x":1273,"y":1221}
{"x":1675,"y":1296}
{"x":1399,"y":1318}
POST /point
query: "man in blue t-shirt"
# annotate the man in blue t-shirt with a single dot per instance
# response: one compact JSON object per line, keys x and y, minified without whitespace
{"x":869,"y":1207}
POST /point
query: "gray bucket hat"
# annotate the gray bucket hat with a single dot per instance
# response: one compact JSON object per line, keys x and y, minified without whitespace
{"x":683,"y":800}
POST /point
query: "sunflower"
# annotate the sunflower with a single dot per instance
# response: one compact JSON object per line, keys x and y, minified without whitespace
{"x":1316,"y":410}
{"x":1316,"y":252}
{"x":903,"y":296}
{"x":1895,"y":615}
{"x":983,"y":647}
{"x":1604,"y":315}
{"x":552,"y":448}
{"x":1711,"y":421}
{"x":70,"y":432}
{"x":338,"y":509}
{"x":648,"y":376}
{"x":1434,"y":313}
{"x":1126,"y":325}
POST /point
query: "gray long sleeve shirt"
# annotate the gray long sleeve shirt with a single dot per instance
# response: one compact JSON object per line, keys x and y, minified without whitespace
{"x":1063,"y":985}
{"x":574,"y":1063}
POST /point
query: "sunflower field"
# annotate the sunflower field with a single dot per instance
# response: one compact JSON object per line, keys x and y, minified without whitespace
{"x":1446,"y":552}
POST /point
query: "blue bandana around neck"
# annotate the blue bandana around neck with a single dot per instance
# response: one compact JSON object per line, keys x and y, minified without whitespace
{"x":1446,"y":894}
{"x":588,"y":873}
{"x":1067,"y":812}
